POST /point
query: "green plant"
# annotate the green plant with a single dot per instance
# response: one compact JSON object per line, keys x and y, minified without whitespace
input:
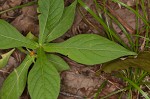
{"x":43,"y":79}
{"x":127,"y":68}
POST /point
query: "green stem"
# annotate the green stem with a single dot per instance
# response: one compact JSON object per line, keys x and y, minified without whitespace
{"x":100,"y":89}
{"x":18,"y":7}
{"x":101,"y":21}
{"x":134,"y":11}
{"x":115,"y":92}
{"x":137,"y":87}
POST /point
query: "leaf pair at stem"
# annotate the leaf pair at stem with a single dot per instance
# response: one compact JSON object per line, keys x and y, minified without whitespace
{"x":43,"y":79}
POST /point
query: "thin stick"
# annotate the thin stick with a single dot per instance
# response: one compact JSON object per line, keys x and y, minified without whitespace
{"x":18,"y":7}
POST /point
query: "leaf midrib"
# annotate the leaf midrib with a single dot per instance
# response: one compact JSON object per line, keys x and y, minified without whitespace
{"x":43,"y":77}
{"x":45,"y":23}
{"x":49,"y":35}
{"x":17,"y":40}
{"x":18,"y":77}
{"x":75,"y":48}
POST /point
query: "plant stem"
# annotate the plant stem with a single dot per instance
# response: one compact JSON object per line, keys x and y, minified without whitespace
{"x":115,"y":92}
{"x":101,"y":21}
{"x":100,"y":89}
{"x":137,"y":87}
{"x":18,"y":7}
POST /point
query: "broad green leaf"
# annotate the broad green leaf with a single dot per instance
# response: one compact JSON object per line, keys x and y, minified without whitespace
{"x":50,"y":14}
{"x":89,"y":49}
{"x":58,"y":62}
{"x":10,"y":37}
{"x":141,"y":61}
{"x":43,"y":80}
{"x":5,"y":58}
{"x":15,"y":83}
{"x":64,"y":23}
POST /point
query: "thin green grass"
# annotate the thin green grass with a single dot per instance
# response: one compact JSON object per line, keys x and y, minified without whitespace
{"x":132,"y":76}
{"x":119,"y":25}
{"x":102,"y":22}
{"x":100,"y":89}
{"x":113,"y":93}
{"x":136,"y":87}
{"x":134,"y":11}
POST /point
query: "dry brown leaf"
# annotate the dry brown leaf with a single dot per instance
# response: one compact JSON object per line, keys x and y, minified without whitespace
{"x":26,"y":22}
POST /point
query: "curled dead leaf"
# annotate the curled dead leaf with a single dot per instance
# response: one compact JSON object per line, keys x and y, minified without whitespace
{"x":141,"y":61}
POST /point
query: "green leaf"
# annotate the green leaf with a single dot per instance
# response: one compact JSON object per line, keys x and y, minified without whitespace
{"x":58,"y":62}
{"x":10,"y":37}
{"x":64,"y":23}
{"x":43,"y":80}
{"x":5,"y":58}
{"x":31,"y":37}
{"x":15,"y":83}
{"x":141,"y":61}
{"x":89,"y":49}
{"x":50,"y":14}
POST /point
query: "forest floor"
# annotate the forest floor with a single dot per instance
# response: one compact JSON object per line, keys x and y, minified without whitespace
{"x":80,"y":81}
